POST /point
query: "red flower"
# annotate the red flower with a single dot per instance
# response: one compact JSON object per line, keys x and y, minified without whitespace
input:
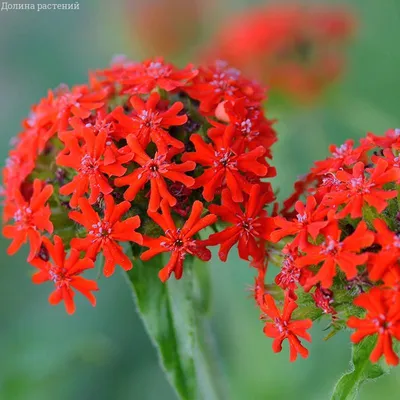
{"x":323,"y":299}
{"x":31,"y":218}
{"x":391,"y":138}
{"x":84,"y":152}
{"x":103,"y":234}
{"x":281,"y":327}
{"x":342,"y":156}
{"x":80,"y":102}
{"x":145,"y":77}
{"x":178,"y":241}
{"x":389,"y":254}
{"x":357,"y":189}
{"x":290,"y":274}
{"x":221,"y":82}
{"x":309,"y":221}
{"x":150,"y":123}
{"x":223,"y":166}
{"x":252,"y":129}
{"x":335,"y":252}
{"x":65,"y":274}
{"x":293,"y":48}
{"x":248,"y":226}
{"x":382,"y":318}
{"x":153,"y":170}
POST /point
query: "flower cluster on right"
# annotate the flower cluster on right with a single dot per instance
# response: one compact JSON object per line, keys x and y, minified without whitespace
{"x":337,"y":239}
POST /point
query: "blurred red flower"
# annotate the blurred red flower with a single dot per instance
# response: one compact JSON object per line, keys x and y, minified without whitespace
{"x":296,"y":50}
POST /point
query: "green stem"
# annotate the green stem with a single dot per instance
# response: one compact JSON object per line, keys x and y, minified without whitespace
{"x":174,"y":321}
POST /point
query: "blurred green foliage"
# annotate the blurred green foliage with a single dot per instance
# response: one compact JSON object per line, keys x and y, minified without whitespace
{"x":104,"y":353}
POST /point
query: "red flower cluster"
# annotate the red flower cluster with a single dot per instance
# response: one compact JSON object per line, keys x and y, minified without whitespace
{"x":141,"y":157}
{"x":296,"y":50}
{"x":341,"y":246}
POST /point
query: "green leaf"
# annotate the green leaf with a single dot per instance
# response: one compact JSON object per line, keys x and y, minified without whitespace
{"x":362,"y":370}
{"x":171,"y":313}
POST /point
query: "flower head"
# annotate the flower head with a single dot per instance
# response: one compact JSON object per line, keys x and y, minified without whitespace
{"x":123,"y":167}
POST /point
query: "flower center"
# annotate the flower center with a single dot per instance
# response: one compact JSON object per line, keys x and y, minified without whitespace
{"x":101,"y":231}
{"x":382,"y":323}
{"x":359,"y":185}
{"x":59,"y":276}
{"x":281,"y":325}
{"x":331,"y":247}
{"x":226,"y":159}
{"x":23,"y":217}
{"x":88,"y":165}
{"x":177,"y":242}
{"x":155,"y":167}
{"x":149,"y":119}
{"x":302,"y":218}
{"x":158,"y":70}
{"x":341,"y":151}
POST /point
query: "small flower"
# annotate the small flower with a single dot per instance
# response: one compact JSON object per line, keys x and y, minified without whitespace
{"x":280,"y":326}
{"x":224,"y":166}
{"x":154,"y":170}
{"x":219,"y":82}
{"x":382,"y":318}
{"x":308,"y":221}
{"x":389,"y":253}
{"x":178,"y":241}
{"x":248,"y":227}
{"x":151,"y":123}
{"x":334,"y":252}
{"x":356,"y":189}
{"x":64,"y":272}
{"x":31,"y":219}
{"x":84,"y":153}
{"x":103,"y":234}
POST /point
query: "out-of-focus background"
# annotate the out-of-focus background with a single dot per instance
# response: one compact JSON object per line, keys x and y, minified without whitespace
{"x":104,"y":353}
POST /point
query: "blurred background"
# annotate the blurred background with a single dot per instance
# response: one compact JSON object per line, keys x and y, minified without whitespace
{"x":104,"y":353}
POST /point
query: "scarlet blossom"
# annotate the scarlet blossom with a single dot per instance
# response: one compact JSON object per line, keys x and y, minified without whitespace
{"x":280,"y":326}
{"x":219,"y":82}
{"x":389,"y":253}
{"x":356,"y":189}
{"x":323,"y":299}
{"x":252,"y":128}
{"x":296,"y":50}
{"x":290,"y":275}
{"x":145,"y":77}
{"x":85,"y":156}
{"x":309,"y":221}
{"x":382,"y":318}
{"x":178,"y":241}
{"x":342,"y":156}
{"x":31,"y":219}
{"x":223,"y":166}
{"x":391,"y":138}
{"x":65,"y":273}
{"x":80,"y":101}
{"x":103,"y":234}
{"x":154,"y":170}
{"x":334,"y":252}
{"x":150,"y":123}
{"x":248,"y":226}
